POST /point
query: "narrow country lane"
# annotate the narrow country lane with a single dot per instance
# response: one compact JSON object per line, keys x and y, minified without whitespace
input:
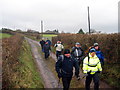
{"x":48,"y":77}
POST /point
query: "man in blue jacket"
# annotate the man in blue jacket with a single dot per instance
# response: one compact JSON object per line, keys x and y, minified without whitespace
{"x":64,"y":68}
{"x":49,"y":42}
{"x":99,"y":53}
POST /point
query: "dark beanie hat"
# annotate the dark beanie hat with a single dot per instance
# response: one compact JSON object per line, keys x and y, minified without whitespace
{"x":66,"y":51}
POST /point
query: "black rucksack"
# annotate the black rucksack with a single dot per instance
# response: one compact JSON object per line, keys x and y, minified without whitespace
{"x":63,"y":57}
{"x":77,"y":48}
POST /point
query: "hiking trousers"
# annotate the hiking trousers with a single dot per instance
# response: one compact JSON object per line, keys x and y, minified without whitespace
{"x":89,"y":78}
{"x":42,"y":48}
{"x":47,"y":55}
{"x":79,"y":61}
{"x":58,"y":53}
{"x":66,"y":82}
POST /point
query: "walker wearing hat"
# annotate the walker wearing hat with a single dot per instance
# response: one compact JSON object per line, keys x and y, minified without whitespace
{"x":92,"y":50}
{"x":64,"y":68}
{"x":77,"y":52}
{"x":91,"y":68}
{"x":77,"y":43}
{"x":99,"y":53}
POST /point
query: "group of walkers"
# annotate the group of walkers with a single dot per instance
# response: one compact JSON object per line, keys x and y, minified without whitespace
{"x":91,"y":64}
{"x":67,"y":60}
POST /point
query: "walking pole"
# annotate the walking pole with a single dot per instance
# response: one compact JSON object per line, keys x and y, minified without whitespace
{"x":83,"y":77}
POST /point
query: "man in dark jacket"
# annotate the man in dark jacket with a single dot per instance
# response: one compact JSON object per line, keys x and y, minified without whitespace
{"x":42,"y":42}
{"x":64,"y":68}
{"x":47,"y":49}
{"x":78,"y":53}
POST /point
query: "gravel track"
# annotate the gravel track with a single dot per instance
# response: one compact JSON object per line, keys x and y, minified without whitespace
{"x":48,"y":77}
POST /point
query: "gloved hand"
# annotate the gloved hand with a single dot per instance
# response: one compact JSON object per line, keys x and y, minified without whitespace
{"x":98,"y":71}
{"x":89,"y":72}
{"x":85,"y":75}
{"x":59,"y":75}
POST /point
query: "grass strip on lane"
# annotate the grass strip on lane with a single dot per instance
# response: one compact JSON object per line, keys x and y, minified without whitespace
{"x":28,"y":76}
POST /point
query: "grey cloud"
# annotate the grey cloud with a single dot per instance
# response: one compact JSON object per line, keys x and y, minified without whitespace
{"x":64,"y":15}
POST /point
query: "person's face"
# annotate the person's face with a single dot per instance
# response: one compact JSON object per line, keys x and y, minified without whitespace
{"x":93,"y":54}
{"x":77,"y":45}
{"x":96,"y":47}
{"x":58,"y":42}
{"x":67,"y":55}
{"x":46,"y":43}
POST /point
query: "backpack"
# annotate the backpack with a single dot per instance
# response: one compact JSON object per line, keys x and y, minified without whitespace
{"x":74,"y":48}
{"x":63,"y":57}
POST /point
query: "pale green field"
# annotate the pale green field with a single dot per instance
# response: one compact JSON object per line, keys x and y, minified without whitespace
{"x":49,"y":35}
{"x":4,"y":35}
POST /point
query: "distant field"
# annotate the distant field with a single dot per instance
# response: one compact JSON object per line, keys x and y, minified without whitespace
{"x":4,"y":35}
{"x":49,"y":35}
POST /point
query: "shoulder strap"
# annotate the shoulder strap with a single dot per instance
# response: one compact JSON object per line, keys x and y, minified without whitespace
{"x":74,"y":49}
{"x":81,"y":49}
{"x":62,"y":57}
{"x":88,"y":58}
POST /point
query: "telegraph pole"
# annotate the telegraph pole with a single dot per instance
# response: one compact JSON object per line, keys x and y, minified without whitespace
{"x":88,"y":20}
{"x":41,"y":28}
{"x":119,"y":17}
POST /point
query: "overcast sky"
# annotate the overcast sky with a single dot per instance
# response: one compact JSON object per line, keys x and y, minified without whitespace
{"x":64,"y":15}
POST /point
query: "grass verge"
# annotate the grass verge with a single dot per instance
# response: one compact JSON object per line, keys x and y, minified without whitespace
{"x":27,"y":74}
{"x":111,"y":74}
